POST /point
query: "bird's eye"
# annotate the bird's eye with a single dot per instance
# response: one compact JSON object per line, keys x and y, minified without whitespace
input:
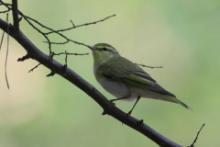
{"x":104,"y":49}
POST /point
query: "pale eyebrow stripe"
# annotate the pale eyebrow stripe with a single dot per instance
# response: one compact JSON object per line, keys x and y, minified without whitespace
{"x":107,"y":47}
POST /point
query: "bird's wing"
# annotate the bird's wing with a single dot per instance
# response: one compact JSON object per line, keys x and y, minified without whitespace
{"x":122,"y":70}
{"x":119,"y":68}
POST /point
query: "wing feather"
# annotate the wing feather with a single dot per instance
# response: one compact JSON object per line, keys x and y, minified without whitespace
{"x":122,"y":70}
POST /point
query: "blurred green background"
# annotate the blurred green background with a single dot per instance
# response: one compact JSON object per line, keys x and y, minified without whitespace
{"x":182,"y":36}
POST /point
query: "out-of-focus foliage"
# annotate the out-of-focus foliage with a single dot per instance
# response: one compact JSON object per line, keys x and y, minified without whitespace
{"x":182,"y":36}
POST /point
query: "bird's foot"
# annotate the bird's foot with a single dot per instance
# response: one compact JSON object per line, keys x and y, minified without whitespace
{"x":129,"y":113}
{"x":120,"y":98}
{"x":112,"y":101}
{"x":140,"y":122}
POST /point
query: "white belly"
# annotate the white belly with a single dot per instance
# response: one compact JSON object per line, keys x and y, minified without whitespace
{"x":115,"y":88}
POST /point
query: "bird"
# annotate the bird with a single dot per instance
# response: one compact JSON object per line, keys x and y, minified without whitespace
{"x":124,"y":79}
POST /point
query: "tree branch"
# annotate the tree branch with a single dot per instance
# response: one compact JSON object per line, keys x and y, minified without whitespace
{"x":108,"y":107}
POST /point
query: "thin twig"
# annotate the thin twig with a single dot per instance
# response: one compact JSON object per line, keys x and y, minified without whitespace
{"x":36,"y":66}
{"x":2,"y":38}
{"x":50,"y":74}
{"x":68,"y":53}
{"x":66,"y":56}
{"x":152,"y":67}
{"x":5,"y":11}
{"x":67,"y":40}
{"x":25,"y":57}
{"x":6,"y":57}
{"x":39,"y":31}
{"x":197,"y":135}
{"x":58,"y":43}
{"x":7,"y":5}
{"x":66,"y":59}
{"x":27,"y":18}
{"x":81,"y":25}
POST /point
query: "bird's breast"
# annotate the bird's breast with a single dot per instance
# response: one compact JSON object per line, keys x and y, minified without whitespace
{"x":117,"y":89}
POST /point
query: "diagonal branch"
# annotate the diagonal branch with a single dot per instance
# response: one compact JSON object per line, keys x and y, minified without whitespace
{"x":68,"y":74}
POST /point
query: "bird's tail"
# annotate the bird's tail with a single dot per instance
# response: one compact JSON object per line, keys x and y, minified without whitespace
{"x":175,"y":100}
{"x":183,"y":104}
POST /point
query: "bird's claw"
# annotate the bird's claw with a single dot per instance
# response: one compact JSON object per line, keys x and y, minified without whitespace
{"x":112,"y":100}
{"x":140,"y":122}
{"x":129,"y":113}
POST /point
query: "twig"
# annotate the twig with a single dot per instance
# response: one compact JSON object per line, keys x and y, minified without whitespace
{"x":197,"y":135}
{"x":2,"y":38}
{"x":66,"y":56}
{"x":25,"y":57}
{"x":66,"y":60}
{"x":51,"y":74}
{"x":81,"y":25}
{"x":36,"y":66}
{"x":67,"y":40}
{"x":6,"y":57}
{"x":5,"y":4}
{"x":39,"y":31}
{"x":68,"y":53}
{"x":31,"y":22}
{"x":5,"y":11}
{"x":152,"y":67}
{"x":7,"y":7}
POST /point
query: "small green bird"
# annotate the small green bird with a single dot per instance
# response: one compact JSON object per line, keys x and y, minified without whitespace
{"x":125,"y":79}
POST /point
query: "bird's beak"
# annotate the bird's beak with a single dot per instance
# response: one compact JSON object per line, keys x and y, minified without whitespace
{"x":91,"y":48}
{"x":83,"y":44}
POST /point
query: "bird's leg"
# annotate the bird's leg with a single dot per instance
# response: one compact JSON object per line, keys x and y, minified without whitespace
{"x":138,"y":98}
{"x":120,"y":98}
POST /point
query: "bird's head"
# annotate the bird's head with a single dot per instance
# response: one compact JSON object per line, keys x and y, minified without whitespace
{"x":103,"y":51}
